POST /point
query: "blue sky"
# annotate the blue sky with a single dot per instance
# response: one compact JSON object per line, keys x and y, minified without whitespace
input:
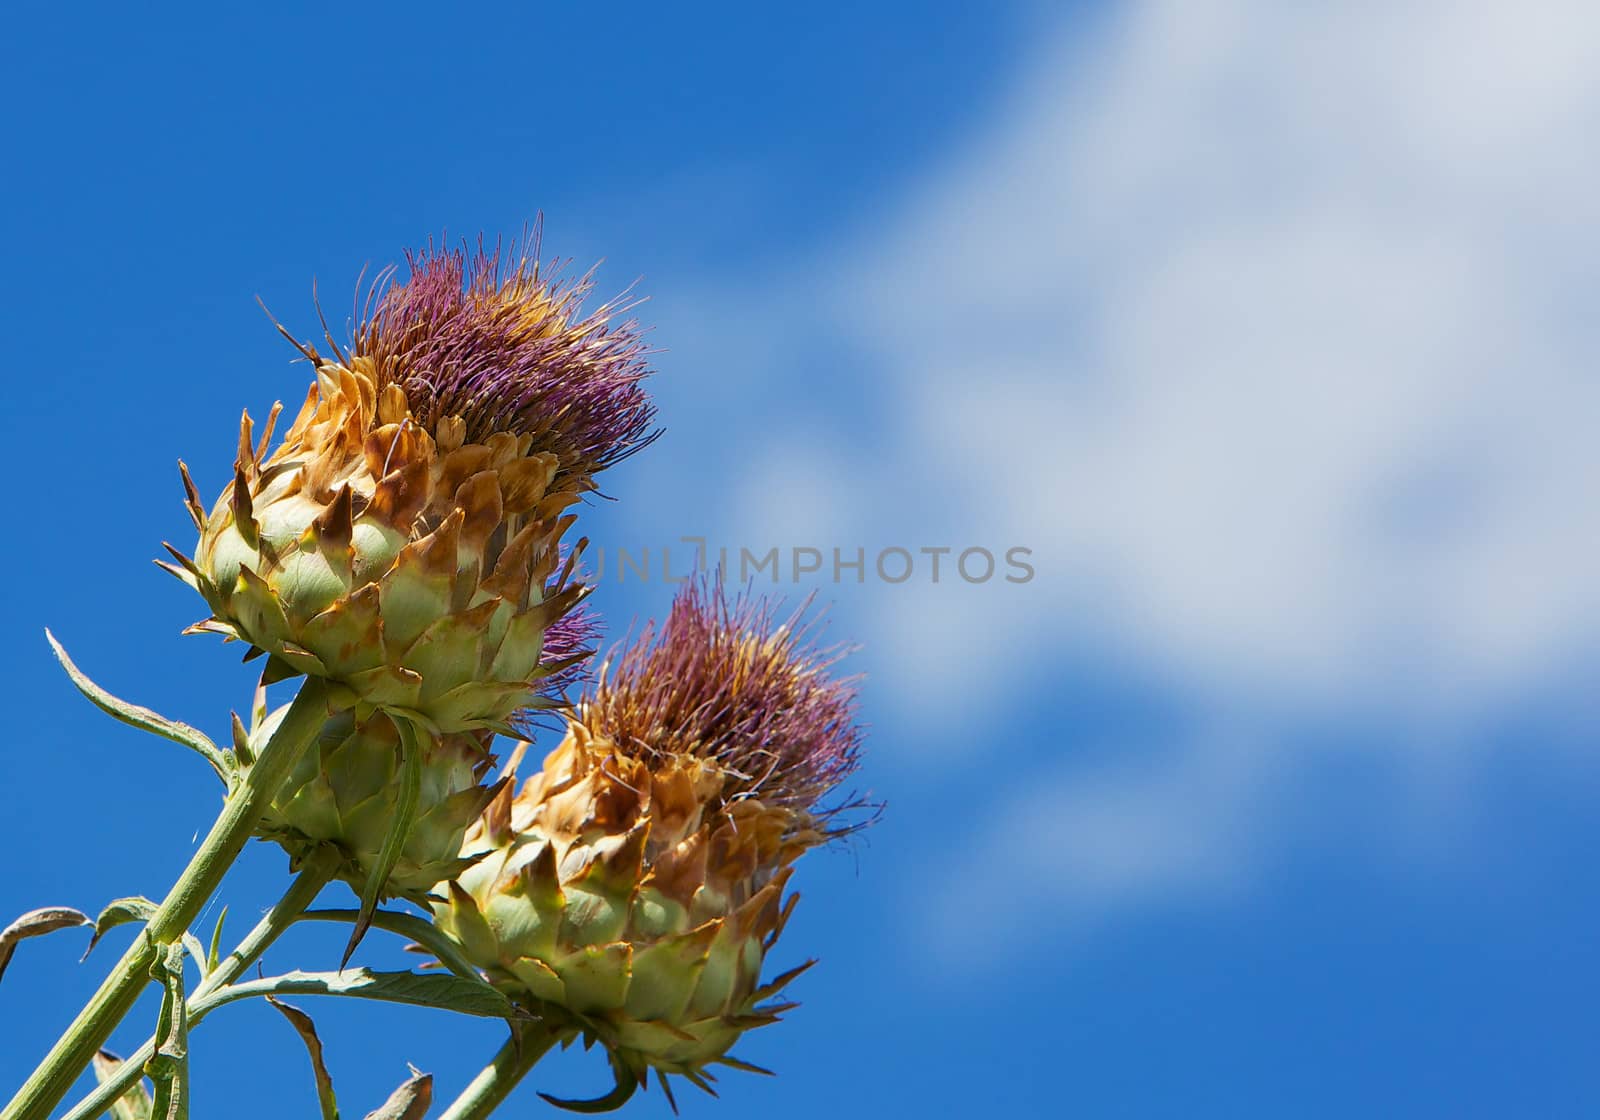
{"x":1273,"y":793}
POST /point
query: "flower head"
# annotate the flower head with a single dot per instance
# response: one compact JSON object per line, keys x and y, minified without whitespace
{"x":724,"y":681}
{"x":404,"y":538}
{"x":492,"y":339}
{"x":636,"y":883}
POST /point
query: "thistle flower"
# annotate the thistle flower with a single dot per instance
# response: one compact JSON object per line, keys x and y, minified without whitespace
{"x":403,"y":540}
{"x":635,"y":885}
{"x":344,"y":790}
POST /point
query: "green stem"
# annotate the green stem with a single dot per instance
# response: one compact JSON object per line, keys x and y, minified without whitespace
{"x":241,"y":812}
{"x":495,"y":1081}
{"x":315,"y":874}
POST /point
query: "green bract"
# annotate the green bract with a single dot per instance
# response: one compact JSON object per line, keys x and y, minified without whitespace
{"x":344,"y":792}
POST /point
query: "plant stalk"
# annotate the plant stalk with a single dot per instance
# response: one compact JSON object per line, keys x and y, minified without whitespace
{"x":241,"y":812}
{"x":495,"y":1081}
{"x":315,"y":874}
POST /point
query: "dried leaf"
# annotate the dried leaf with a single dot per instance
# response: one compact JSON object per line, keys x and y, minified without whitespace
{"x":410,"y":1101}
{"x":307,"y":1031}
{"x":36,"y":923}
{"x":135,"y":1104}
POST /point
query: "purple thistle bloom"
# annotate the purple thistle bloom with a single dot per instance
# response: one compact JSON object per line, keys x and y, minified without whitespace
{"x":725,"y":681}
{"x":498,"y":339}
{"x":569,"y":642}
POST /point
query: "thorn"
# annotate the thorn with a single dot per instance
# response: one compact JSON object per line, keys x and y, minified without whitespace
{"x":307,"y":352}
{"x":245,"y":459}
{"x":174,"y":570}
{"x":188,"y":564}
{"x":243,"y":511}
{"x":191,"y":497}
{"x":326,"y":333}
{"x":699,"y":1082}
{"x":266,"y":432}
{"x":748,"y":1067}
{"x":666,"y":1089}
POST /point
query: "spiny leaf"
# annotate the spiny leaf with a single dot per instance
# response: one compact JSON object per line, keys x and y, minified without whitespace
{"x":394,"y":843}
{"x":410,"y":1101}
{"x":420,"y":930}
{"x":119,"y":912}
{"x":442,"y":990}
{"x":621,"y":1092}
{"x":145,"y":719}
{"x":307,"y":1031}
{"x":36,"y":923}
{"x":138,"y":909}
{"x":135,"y":1104}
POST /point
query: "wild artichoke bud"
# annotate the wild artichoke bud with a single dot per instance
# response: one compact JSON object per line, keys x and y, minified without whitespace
{"x":403,"y":539}
{"x":636,"y":883}
{"x":344,"y":791}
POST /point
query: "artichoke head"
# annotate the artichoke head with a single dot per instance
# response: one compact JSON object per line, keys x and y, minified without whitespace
{"x":628,"y":898}
{"x":420,"y":571}
{"x":343,"y":793}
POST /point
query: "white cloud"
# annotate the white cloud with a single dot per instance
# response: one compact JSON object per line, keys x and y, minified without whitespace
{"x":1268,"y":327}
{"x":1265,"y":325}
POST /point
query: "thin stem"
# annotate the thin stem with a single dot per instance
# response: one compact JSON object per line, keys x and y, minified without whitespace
{"x":241,"y":812}
{"x":315,"y":874}
{"x":495,"y":1081}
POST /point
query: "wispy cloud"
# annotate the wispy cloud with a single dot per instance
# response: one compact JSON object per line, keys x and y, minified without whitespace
{"x":1267,"y":327}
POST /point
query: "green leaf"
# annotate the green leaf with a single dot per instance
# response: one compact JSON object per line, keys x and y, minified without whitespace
{"x":120,"y":912}
{"x":36,"y":923}
{"x":146,"y":720}
{"x":410,"y":1101}
{"x":214,"y":954}
{"x":442,"y":990}
{"x":139,"y":909}
{"x":241,"y":741}
{"x":169,"y":1068}
{"x":427,"y":935}
{"x":307,"y":1031}
{"x":394,"y":842}
{"x":626,"y":1084}
{"x":135,"y":1104}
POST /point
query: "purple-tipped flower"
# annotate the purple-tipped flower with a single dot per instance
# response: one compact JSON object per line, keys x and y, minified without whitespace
{"x":633,"y":888}
{"x":404,"y":539}
{"x":404,"y":543}
{"x":499,"y":340}
{"x":724,"y":680}
{"x":569,"y":643}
